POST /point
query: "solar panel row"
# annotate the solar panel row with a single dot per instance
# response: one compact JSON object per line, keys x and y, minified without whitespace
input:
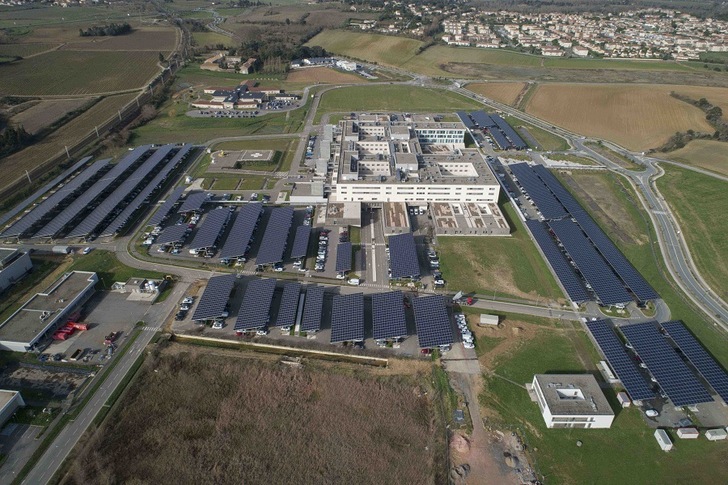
{"x":275,"y":237}
{"x":499,"y":138}
{"x":347,"y":318}
{"x":598,"y":275}
{"x":403,"y":256}
{"x":515,"y":138}
{"x":465,"y":119}
{"x":624,"y":367}
{"x":172,"y":234}
{"x":300,"y":242}
{"x":289,"y":305}
{"x":567,"y":275}
{"x":210,"y":229}
{"x":313,"y":305}
{"x":672,"y":374}
{"x":193,"y":202}
{"x":254,"y":312}
{"x":559,"y":191}
{"x":482,"y":119}
{"x":242,"y":231}
{"x":166,"y":207}
{"x":549,"y":206}
{"x":706,"y":365}
{"x":388,"y":320}
{"x":215,"y":298}
{"x":432,"y":322}
{"x":343,"y":257}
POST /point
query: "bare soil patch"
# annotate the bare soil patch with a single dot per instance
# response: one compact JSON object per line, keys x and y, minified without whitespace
{"x":506,"y":93}
{"x":46,"y":113}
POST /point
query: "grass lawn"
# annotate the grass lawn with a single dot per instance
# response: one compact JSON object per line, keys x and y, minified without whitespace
{"x":615,"y":157}
{"x":547,"y":140}
{"x":253,"y":182}
{"x":109,"y":268}
{"x":285,"y":145}
{"x":504,"y":266}
{"x":568,"y":157}
{"x":226,"y":183}
{"x":708,"y":154}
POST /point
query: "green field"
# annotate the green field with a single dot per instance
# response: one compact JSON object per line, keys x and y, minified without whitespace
{"x":23,"y":50}
{"x":212,"y":39}
{"x":109,"y":269}
{"x":285,"y":145}
{"x":548,"y":141}
{"x":501,"y":266}
{"x":699,"y":202}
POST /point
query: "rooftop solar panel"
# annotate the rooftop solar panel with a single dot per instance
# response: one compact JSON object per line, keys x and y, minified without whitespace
{"x":432,"y":322}
{"x":699,"y":357}
{"x":289,"y":305}
{"x":403,"y":256}
{"x":347,"y":318}
{"x":509,"y":132}
{"x":193,"y":202}
{"x":42,"y":191}
{"x":275,"y":236}
{"x":623,"y":365}
{"x":215,"y":298}
{"x":596,"y":272}
{"x":499,"y":138}
{"x":311,"y":318}
{"x":567,"y":276}
{"x":255,"y":310}
{"x":672,"y":374}
{"x":62,"y":194}
{"x":172,"y":234}
{"x":242,"y":231}
{"x":300,"y":242}
{"x":549,"y":206}
{"x":465,"y":118}
{"x":343,"y":257}
{"x":210,"y":229}
{"x":388,"y":319}
{"x":84,"y":200}
{"x":482,"y":119}
{"x":166,"y":206}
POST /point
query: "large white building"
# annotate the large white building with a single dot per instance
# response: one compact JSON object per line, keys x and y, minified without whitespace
{"x":571,"y":401}
{"x":14,"y":264}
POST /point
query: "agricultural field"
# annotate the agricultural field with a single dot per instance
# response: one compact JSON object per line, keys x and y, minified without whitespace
{"x":24,"y":50}
{"x":228,"y":417}
{"x":212,"y":39}
{"x":381,"y":49}
{"x":506,"y":93}
{"x":699,"y":202}
{"x":157,"y":39}
{"x":323,"y":75}
{"x":708,"y":154}
{"x":47,"y":112}
{"x":637,"y":117}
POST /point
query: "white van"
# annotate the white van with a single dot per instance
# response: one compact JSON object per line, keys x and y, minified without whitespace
{"x":354,"y":281}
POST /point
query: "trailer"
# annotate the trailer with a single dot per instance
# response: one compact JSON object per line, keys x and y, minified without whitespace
{"x":61,"y":250}
{"x":663,"y":439}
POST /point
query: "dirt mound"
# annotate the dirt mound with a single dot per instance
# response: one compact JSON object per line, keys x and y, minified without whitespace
{"x":459,"y":444}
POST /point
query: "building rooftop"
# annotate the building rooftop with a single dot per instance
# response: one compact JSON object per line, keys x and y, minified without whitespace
{"x":576,"y":394}
{"x":6,"y":254}
{"x":5,"y":397}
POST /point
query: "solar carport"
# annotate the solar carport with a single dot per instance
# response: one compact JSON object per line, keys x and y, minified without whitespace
{"x":347,"y":318}
{"x":388,"y":318}
{"x":403,"y":256}
{"x":432,"y":322}
{"x":254,"y":312}
{"x":214,"y":299}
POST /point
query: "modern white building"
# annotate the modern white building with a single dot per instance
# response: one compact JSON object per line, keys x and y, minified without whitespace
{"x":14,"y":264}
{"x":10,"y":401}
{"x":571,"y":401}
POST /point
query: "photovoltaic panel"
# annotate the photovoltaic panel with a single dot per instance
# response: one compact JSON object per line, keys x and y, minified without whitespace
{"x":564,"y":196}
{"x":465,"y":119}
{"x":42,"y":191}
{"x":571,"y":282}
{"x":596,"y":272}
{"x":388,"y":318}
{"x":549,"y":206}
{"x":699,"y":357}
{"x":84,"y":200}
{"x":403,"y":256}
{"x":255,"y":310}
{"x":50,"y":204}
{"x":499,"y":138}
{"x":482,"y":119}
{"x":210,"y":228}
{"x":172,"y":234}
{"x":215,"y":298}
{"x":432,"y":322}
{"x":343,"y":257}
{"x":672,"y":374}
{"x":509,"y":132}
{"x":275,"y":236}
{"x":621,"y":363}
{"x":312,"y":307}
{"x":241,"y":233}
{"x":347,"y":318}
{"x":166,"y":206}
{"x":193,"y":202}
{"x":300,"y":242}
{"x":289,"y":305}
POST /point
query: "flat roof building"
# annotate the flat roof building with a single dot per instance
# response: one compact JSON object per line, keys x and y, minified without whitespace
{"x":10,"y":401}
{"x":572,"y":401}
{"x":14,"y":264}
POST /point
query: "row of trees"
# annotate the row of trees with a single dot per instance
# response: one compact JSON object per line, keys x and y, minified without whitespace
{"x":105,"y":30}
{"x":12,"y":138}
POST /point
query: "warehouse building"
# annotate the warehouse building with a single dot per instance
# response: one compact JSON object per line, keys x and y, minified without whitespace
{"x":10,"y":401}
{"x":14,"y":264}
{"x":571,"y":401}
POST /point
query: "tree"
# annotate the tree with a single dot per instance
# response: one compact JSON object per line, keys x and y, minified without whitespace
{"x":161,"y":57}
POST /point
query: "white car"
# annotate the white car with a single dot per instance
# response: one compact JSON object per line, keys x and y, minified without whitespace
{"x":261,"y":331}
{"x":218,"y":325}
{"x":278,"y":269}
{"x":354,"y":281}
{"x":87,"y":250}
{"x":340,"y":276}
{"x":468,"y":345}
{"x":188,"y":300}
{"x":652,"y":413}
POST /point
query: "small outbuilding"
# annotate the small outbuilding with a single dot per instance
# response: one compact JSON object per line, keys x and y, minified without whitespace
{"x":717,"y":434}
{"x":688,"y":433}
{"x":663,"y":439}
{"x":624,"y":399}
{"x":488,"y":320}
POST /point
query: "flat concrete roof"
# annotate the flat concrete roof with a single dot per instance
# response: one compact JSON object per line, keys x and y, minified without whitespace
{"x":6,"y":397}
{"x":6,"y":253}
{"x":577,"y":394}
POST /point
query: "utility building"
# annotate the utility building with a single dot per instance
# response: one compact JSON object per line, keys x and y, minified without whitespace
{"x":571,"y":401}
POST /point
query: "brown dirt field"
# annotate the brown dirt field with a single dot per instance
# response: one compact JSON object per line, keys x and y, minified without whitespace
{"x":322,"y":75}
{"x":156,"y":39}
{"x":707,"y":154}
{"x":717,"y":96}
{"x":46,"y":113}
{"x":638,"y":117}
{"x":506,"y":93}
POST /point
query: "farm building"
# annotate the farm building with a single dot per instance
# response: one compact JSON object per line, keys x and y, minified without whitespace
{"x":14,"y":264}
{"x":571,"y":401}
{"x":10,"y":401}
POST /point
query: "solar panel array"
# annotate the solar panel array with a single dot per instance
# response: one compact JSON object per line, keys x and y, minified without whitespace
{"x":388,"y":318}
{"x":210,"y":228}
{"x":84,"y":200}
{"x":172,"y":234}
{"x":38,"y":193}
{"x":241,"y":233}
{"x":482,"y":119}
{"x":499,"y":138}
{"x":549,"y":206}
{"x":141,"y":198}
{"x":465,"y":119}
{"x":343,"y":257}
{"x":623,"y":365}
{"x":507,"y":130}
{"x":289,"y":305}
{"x":432,"y":322}
{"x":313,"y":305}
{"x":50,"y":204}
{"x":276,"y":235}
{"x":117,"y":197}
{"x":564,"y":196}
{"x":255,"y":309}
{"x":403,"y":256}
{"x":166,"y":207}
{"x":347,"y":318}
{"x":300,"y":242}
{"x":699,"y":357}
{"x":595,"y":270}
{"x":214,"y":299}
{"x":567,"y":275}
{"x":672,"y":374}
{"x":193,"y":202}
